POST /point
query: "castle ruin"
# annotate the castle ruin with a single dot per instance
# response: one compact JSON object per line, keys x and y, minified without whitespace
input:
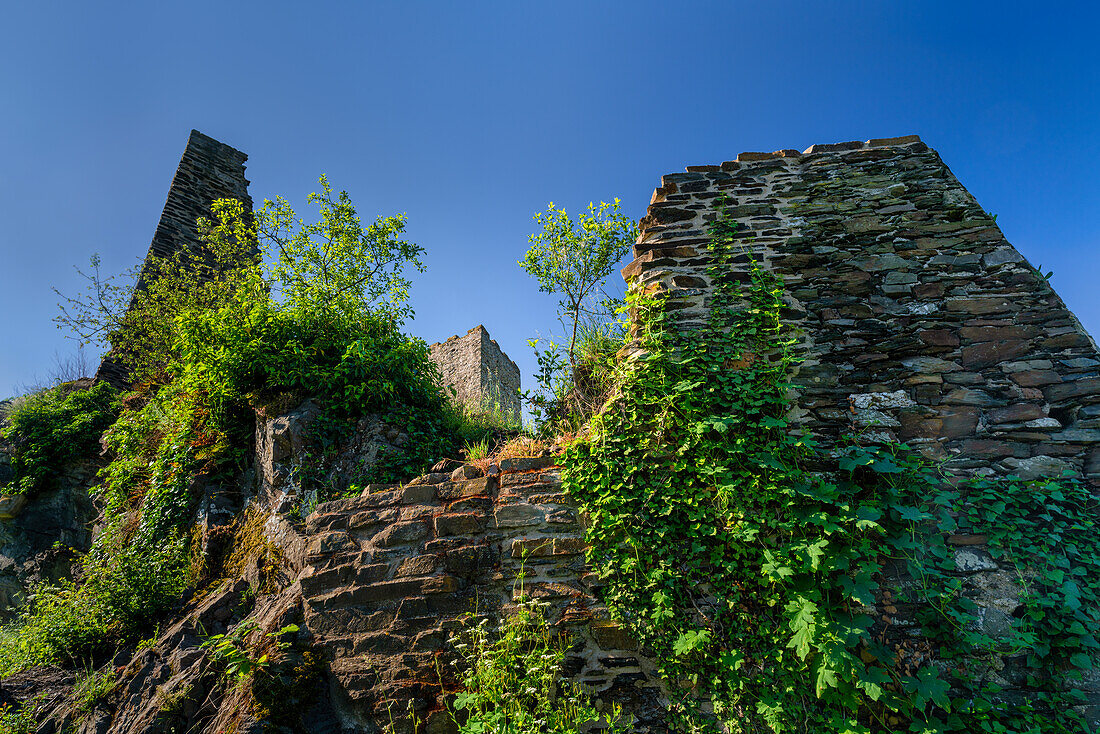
{"x":917,"y":321}
{"x":482,"y":376}
{"x":208,"y":170}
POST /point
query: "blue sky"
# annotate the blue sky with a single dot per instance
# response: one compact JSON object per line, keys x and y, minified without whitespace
{"x":470,"y":117}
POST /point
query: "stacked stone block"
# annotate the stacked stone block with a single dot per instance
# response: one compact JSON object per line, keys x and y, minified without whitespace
{"x":479,"y":371}
{"x":207,"y":171}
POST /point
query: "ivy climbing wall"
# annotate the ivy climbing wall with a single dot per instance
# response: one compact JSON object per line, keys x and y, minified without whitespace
{"x":919,"y":322}
{"x":915,"y":322}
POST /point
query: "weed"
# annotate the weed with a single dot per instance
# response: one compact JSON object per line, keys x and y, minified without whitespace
{"x":92,"y":688}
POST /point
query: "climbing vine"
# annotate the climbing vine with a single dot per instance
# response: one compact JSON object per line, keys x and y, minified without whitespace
{"x":767,"y":573}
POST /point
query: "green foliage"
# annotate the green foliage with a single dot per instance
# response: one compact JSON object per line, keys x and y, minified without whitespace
{"x":236,"y":657}
{"x":355,"y":365}
{"x":22,"y":719}
{"x":752,"y":576}
{"x":54,"y":428}
{"x":137,"y":566}
{"x":335,"y":267}
{"x":477,"y":450}
{"x":135,"y":313}
{"x":569,"y":394}
{"x":92,"y":688}
{"x":511,"y":679}
{"x":572,"y":258}
{"x":121,"y":592}
{"x":549,"y":403}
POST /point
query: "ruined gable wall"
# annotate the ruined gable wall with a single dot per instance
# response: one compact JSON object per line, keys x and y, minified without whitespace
{"x":919,"y":321}
{"x":208,"y":170}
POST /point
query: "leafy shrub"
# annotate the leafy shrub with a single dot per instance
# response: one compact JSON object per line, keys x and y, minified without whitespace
{"x":55,"y":428}
{"x":22,"y":719}
{"x":121,"y":592}
{"x":355,"y":364}
{"x":512,"y":680}
{"x":570,"y":393}
{"x":237,"y":658}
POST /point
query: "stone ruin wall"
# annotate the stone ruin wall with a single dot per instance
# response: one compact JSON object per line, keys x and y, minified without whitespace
{"x":917,"y":321}
{"x":389,"y":576}
{"x":479,"y":371}
{"x":208,"y":170}
{"x":385,"y":578}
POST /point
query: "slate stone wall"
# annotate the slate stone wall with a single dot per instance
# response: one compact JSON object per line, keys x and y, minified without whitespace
{"x":390,"y":575}
{"x":917,"y":322}
{"x":479,"y":371}
{"x":207,"y":171}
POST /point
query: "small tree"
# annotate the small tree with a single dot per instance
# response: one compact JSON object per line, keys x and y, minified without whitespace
{"x":572,"y":258}
{"x":135,"y":313}
{"x":335,"y":265}
{"x":333,"y":269}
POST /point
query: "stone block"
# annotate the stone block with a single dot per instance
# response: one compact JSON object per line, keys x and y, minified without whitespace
{"x":466,"y":523}
{"x":903,"y":140}
{"x":992,"y":352}
{"x":401,"y":533}
{"x":1039,"y":467}
{"x":1017,"y":413}
{"x":517,"y":516}
{"x":1086,"y":386}
{"x":532,"y":547}
{"x":466,"y":471}
{"x":470,"y":488}
{"x":418,"y":494}
{"x":1036,"y":378}
{"x":527,"y":463}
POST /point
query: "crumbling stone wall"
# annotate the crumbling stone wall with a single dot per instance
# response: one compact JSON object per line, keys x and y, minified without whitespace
{"x":207,"y":171}
{"x":390,"y":575}
{"x":479,"y":371}
{"x":917,"y":322}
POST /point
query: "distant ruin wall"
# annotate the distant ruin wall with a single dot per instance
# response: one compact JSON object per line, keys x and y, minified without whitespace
{"x":917,"y":321}
{"x":207,"y":171}
{"x":480,"y":372}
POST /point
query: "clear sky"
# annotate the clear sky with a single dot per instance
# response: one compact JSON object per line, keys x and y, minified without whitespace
{"x":472,"y":116}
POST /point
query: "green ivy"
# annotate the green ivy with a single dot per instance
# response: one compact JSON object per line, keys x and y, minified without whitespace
{"x":752,"y":561}
{"x":53,"y":429}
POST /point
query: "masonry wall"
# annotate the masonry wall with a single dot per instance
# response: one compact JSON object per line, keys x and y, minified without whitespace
{"x":917,"y":321}
{"x":208,"y":170}
{"x":479,"y":371}
{"x":391,"y":575}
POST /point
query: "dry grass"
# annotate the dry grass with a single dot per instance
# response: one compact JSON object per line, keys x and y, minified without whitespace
{"x":521,"y":446}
